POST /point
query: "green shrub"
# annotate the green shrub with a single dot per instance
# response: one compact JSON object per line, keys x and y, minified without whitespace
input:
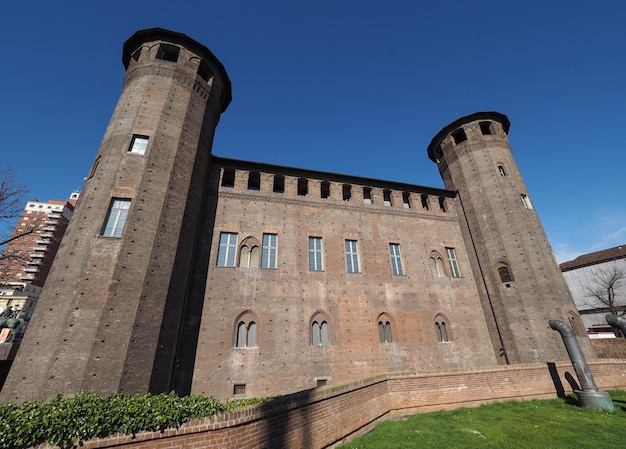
{"x":66,"y":422}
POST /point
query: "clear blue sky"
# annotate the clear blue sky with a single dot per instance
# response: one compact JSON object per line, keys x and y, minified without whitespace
{"x":355,"y":87}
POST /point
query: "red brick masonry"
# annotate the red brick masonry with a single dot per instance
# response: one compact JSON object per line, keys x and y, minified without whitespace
{"x":321,"y":417}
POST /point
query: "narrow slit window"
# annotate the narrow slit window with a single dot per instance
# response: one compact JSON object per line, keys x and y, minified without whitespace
{"x":325,"y":189}
{"x":254,"y":180}
{"x":367,"y":195}
{"x":442,"y":204}
{"x":501,"y":170}
{"x":279,"y":184}
{"x":303,"y":187}
{"x":387,"y":197}
{"x":526,"y":201}
{"x":442,"y":331}
{"x":384,"y":332}
{"x":406,"y":200}
{"x":228,"y":177}
{"x":347,"y":192}
{"x":424,"y":201}
{"x":505,"y":275}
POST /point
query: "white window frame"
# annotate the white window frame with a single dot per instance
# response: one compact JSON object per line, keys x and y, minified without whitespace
{"x":139,"y":144}
{"x":526,"y":201}
{"x":352,"y":256}
{"x":316,"y":255}
{"x":227,"y":249}
{"x":396,"y":259}
{"x":269,"y":250}
{"x":454,"y":264}
{"x":116,"y":217}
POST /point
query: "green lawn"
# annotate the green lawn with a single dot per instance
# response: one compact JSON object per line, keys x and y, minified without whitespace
{"x":554,"y":423}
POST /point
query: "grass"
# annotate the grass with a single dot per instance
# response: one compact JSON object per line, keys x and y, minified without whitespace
{"x":553,"y":423}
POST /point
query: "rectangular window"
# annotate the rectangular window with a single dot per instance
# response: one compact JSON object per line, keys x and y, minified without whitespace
{"x":396,"y":259}
{"x":454,"y":266}
{"x":227,"y":249}
{"x":138,"y":145}
{"x":352,"y":256}
{"x":268,"y":254}
{"x":116,"y":218}
{"x":526,"y":201}
{"x":315,"y":254}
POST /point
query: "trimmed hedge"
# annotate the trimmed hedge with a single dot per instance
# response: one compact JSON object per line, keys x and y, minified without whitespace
{"x":67,"y":422}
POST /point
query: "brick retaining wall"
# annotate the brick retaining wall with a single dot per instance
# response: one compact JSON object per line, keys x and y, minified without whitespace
{"x":321,"y":417}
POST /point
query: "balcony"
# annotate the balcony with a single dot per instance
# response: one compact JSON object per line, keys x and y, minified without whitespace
{"x":31,"y":269}
{"x":37,"y":255}
{"x":40,"y":248}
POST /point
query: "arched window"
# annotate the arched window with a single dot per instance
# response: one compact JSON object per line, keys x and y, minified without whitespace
{"x":246,"y":334}
{"x":319,"y":333}
{"x":505,"y":274}
{"x":436,"y":265}
{"x":442,"y":329}
{"x":245,"y":330}
{"x":249,"y":253}
{"x":384,"y":329}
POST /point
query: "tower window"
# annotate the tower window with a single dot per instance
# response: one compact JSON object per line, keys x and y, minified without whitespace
{"x":319,"y":333}
{"x":138,"y":144}
{"x":436,"y":266}
{"x":442,"y":331}
{"x":116,"y":218}
{"x":268,"y":254}
{"x":367,"y":195}
{"x":254,"y":180}
{"x":239,"y":389}
{"x":454,"y":266}
{"x":303,"y":187}
{"x":387,"y":197}
{"x":347,"y":192}
{"x":384,"y":331}
{"x":325,"y":189}
{"x":246,"y":335}
{"x":352,"y":256}
{"x":396,"y":259}
{"x":249,"y":253}
{"x":505,"y":275}
{"x":526,"y":201}
{"x":406,"y":200}
{"x":205,"y":71}
{"x":228,"y":177}
{"x":424,"y":201}
{"x":136,"y":54}
{"x":485,"y":128}
{"x":168,"y":52}
{"x":279,"y":184}
{"x":227,"y":249}
{"x":442,"y":204}
{"x":459,"y":136}
{"x":315,"y":254}
{"x":501,"y":170}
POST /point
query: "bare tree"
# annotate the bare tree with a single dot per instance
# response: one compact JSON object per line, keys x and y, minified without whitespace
{"x":12,"y":197}
{"x":604,"y":291}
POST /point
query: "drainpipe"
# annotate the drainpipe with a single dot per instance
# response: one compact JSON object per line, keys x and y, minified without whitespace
{"x":589,"y":396}
{"x":617,"y":321}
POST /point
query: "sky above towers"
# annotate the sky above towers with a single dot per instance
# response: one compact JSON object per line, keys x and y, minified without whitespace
{"x":354,"y":87}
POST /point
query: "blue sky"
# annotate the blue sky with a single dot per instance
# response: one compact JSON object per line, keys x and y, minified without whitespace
{"x":355,"y":87}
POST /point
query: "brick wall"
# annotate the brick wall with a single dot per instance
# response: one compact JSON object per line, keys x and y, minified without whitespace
{"x":610,"y":348}
{"x":321,"y":417}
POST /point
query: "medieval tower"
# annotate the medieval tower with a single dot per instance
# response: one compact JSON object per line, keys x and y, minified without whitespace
{"x":111,"y":316}
{"x":520,"y":284}
{"x":185,"y":271}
